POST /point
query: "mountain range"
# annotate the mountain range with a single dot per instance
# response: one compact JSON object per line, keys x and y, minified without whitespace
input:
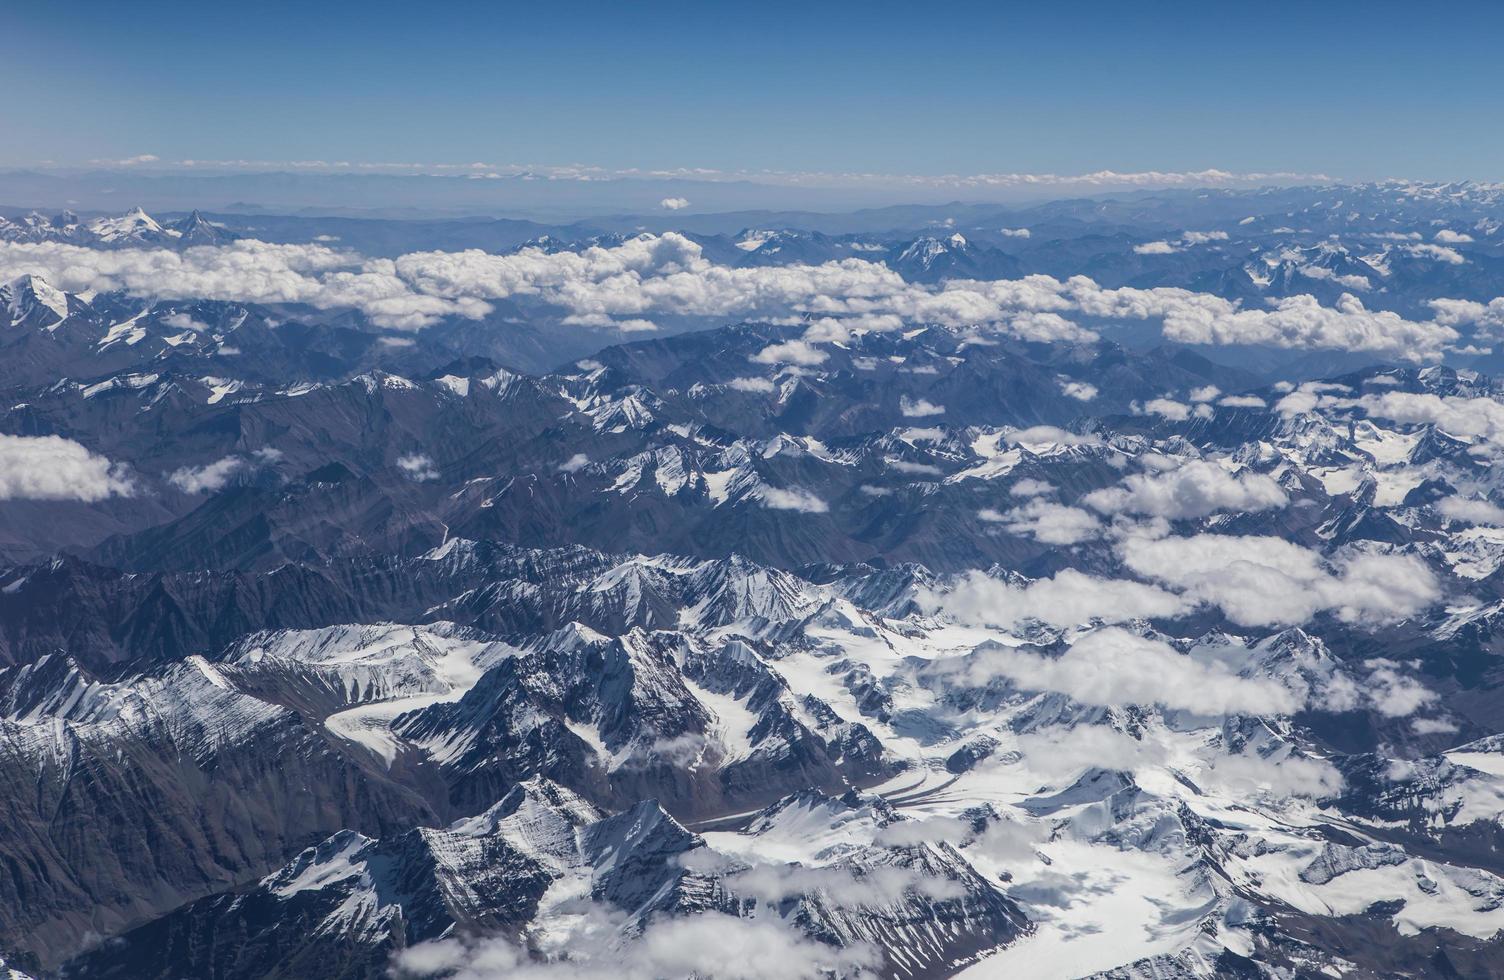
{"x":884,"y":637}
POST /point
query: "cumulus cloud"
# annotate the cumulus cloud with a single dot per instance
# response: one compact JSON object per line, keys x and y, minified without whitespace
{"x":1242,"y":401}
{"x":1309,"y":397}
{"x":1267,"y":581}
{"x":1079,"y":390}
{"x":673,"y":203}
{"x":1481,"y":418}
{"x":247,"y":271}
{"x":209,"y":478}
{"x":574,"y":463}
{"x":1300,"y":321}
{"x":802,"y":501}
{"x":1030,"y":487}
{"x":762,"y":386}
{"x":1048,"y":522}
{"x":917,"y":408}
{"x":1194,"y":489}
{"x":1488,"y":317}
{"x":54,"y":468}
{"x":418,"y":467}
{"x":1392,"y":693}
{"x":1186,"y":240}
{"x":182,"y":321}
{"x":668,"y":275}
{"x":1438,"y":253}
{"x":1045,"y":436}
{"x":1470,"y":511}
{"x":1168,"y":408}
{"x":798,"y":352}
{"x":1205,"y":393}
{"x":1111,"y":666}
{"x":1449,"y":237}
{"x":1243,"y":775}
{"x":1066,"y":751}
{"x":1351,"y":281}
{"x":1069,"y":598}
{"x":1014,"y":232}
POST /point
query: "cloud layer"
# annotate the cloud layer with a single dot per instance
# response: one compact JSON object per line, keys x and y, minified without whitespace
{"x":654,"y":275}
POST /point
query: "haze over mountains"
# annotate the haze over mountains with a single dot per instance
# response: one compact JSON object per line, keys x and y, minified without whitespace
{"x":1102,"y":587}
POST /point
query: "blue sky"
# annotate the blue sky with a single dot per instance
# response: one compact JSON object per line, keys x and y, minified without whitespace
{"x":1346,"y":89}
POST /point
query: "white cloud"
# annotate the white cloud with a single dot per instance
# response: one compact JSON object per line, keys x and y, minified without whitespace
{"x":134,"y":161}
{"x":1440,"y":253}
{"x":1300,"y":321}
{"x":574,"y":463}
{"x":1099,"y":180}
{"x":673,"y":203}
{"x":1112,"y":666}
{"x":1079,"y":390}
{"x":1048,"y":522}
{"x":1457,"y":312}
{"x":760,"y":386}
{"x":918,"y":408}
{"x":597,"y":946}
{"x":1308,"y":397}
{"x":1351,"y":281}
{"x":1186,"y":240}
{"x":1205,"y":393}
{"x":182,"y":321}
{"x":54,"y":468}
{"x":668,"y":275}
{"x":776,"y":883}
{"x":799,"y":500}
{"x":635,"y":324}
{"x":1030,"y":487}
{"x":1242,"y":401}
{"x":1168,"y":408}
{"x":1392,"y":693}
{"x":1266,"y":581}
{"x":1481,"y":418}
{"x":1241,"y":775}
{"x":1044,"y":436}
{"x":1471,"y":511}
{"x":791,"y":352}
{"x":1196,"y":488}
{"x":1068,"y":599}
{"x":1449,"y":237}
{"x":418,"y":467}
{"x":1014,"y":232}
{"x":209,"y":478}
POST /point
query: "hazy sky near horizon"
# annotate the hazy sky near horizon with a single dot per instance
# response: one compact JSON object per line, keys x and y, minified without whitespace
{"x":1351,"y":90}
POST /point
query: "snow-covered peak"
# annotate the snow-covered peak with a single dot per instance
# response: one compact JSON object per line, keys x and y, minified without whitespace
{"x":32,"y":301}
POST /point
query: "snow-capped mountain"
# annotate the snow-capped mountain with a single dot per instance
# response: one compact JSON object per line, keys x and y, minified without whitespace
{"x":881,"y":633}
{"x":134,"y":228}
